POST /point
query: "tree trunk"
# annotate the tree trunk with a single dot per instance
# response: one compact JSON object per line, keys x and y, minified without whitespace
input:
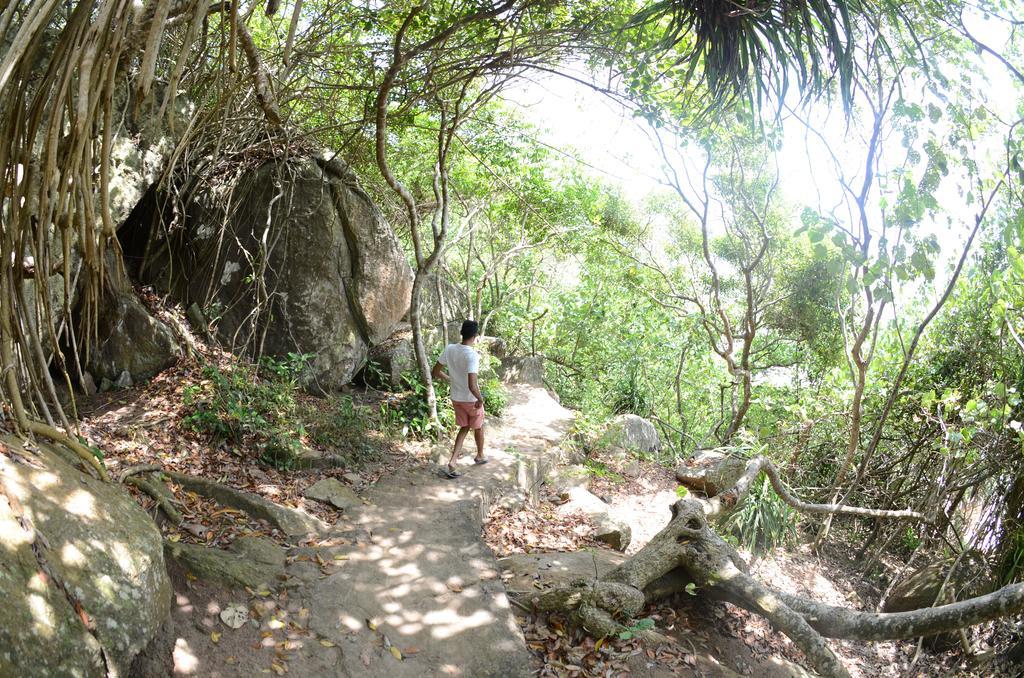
{"x":422,"y":363}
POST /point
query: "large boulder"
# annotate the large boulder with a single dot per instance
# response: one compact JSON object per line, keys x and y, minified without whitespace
{"x":523,"y":370}
{"x":94,"y":555}
{"x":131,"y":340}
{"x":293,"y":257}
{"x":631,"y":433}
{"x":972,"y":577}
{"x":252,"y":561}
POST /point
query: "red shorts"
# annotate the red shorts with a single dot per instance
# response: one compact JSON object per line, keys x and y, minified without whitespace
{"x":468,"y":414}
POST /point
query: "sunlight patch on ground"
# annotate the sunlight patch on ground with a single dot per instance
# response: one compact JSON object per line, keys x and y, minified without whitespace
{"x":185,"y":660}
{"x":449,"y":623}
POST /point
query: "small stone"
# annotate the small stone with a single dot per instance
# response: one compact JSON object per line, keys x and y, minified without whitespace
{"x":106,"y":385}
{"x":613,"y":532}
{"x":353,"y":478}
{"x":332,"y":491}
{"x":88,"y":384}
{"x":124,"y":380}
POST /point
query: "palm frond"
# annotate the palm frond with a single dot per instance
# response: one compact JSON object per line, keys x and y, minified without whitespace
{"x":750,"y":48}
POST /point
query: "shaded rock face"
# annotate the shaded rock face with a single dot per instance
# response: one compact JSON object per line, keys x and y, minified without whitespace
{"x":334,"y":492}
{"x":305,"y":264}
{"x":390,"y":359}
{"x":95,"y":540}
{"x":632,"y":433}
{"x":132,"y":341}
{"x":920,"y":590}
{"x":252,"y":562}
{"x":523,"y":370}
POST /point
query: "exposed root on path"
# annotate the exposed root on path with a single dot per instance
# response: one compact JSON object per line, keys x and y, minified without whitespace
{"x":688,"y":550}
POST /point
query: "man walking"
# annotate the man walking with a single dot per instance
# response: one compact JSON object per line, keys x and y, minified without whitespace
{"x":463,"y":364}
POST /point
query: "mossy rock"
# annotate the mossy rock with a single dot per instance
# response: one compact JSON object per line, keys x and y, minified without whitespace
{"x":92,"y":538}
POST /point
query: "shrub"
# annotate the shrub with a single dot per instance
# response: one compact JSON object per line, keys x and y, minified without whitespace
{"x":763,"y":521}
{"x":495,"y":395}
{"x":408,"y":414}
{"x":241,"y":404}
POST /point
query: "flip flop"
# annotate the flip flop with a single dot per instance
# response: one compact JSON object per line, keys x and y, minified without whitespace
{"x":480,"y":461}
{"x":450,"y":474}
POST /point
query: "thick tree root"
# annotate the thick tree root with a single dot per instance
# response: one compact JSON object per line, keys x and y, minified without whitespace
{"x":161,"y":498}
{"x":40,"y":429}
{"x":759,"y":598}
{"x":840,"y":622}
{"x":688,"y":551}
{"x":722,"y":503}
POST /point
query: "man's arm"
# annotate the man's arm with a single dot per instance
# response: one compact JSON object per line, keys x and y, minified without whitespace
{"x":475,"y":390}
{"x":439,"y":373}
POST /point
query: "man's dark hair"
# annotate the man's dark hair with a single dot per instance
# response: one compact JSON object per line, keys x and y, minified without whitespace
{"x":470,"y":329}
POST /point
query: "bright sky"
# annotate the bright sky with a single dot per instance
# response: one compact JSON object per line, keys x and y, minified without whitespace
{"x":613,"y":144}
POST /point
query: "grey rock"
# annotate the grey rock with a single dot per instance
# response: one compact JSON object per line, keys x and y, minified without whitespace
{"x":235,"y":570}
{"x":292,"y":522}
{"x":340,"y":279}
{"x":523,"y":370}
{"x":565,"y":478}
{"x":100,"y":544}
{"x":972,"y":577}
{"x":495,"y":346}
{"x":132,"y":341}
{"x":556,"y":569}
{"x":332,"y":491}
{"x":260,"y":550}
{"x":124,"y":381}
{"x":352,"y":478}
{"x":106,"y":385}
{"x":631,"y":433}
{"x":614,"y":532}
{"x":389,"y":360}
{"x":88,"y":384}
{"x":631,"y":470}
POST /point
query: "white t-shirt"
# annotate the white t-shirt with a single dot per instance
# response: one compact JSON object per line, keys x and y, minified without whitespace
{"x":461,"y":362}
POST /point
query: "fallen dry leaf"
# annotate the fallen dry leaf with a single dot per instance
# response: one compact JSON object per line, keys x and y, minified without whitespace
{"x":234,"y":616}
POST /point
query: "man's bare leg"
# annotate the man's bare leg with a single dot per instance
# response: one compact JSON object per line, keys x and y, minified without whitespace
{"x":478,"y":436}
{"x":457,"y":447}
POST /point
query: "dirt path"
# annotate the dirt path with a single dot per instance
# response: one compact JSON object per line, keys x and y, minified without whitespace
{"x":404,"y":586}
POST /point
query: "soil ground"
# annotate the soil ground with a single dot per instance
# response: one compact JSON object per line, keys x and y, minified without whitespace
{"x":413,"y":589}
